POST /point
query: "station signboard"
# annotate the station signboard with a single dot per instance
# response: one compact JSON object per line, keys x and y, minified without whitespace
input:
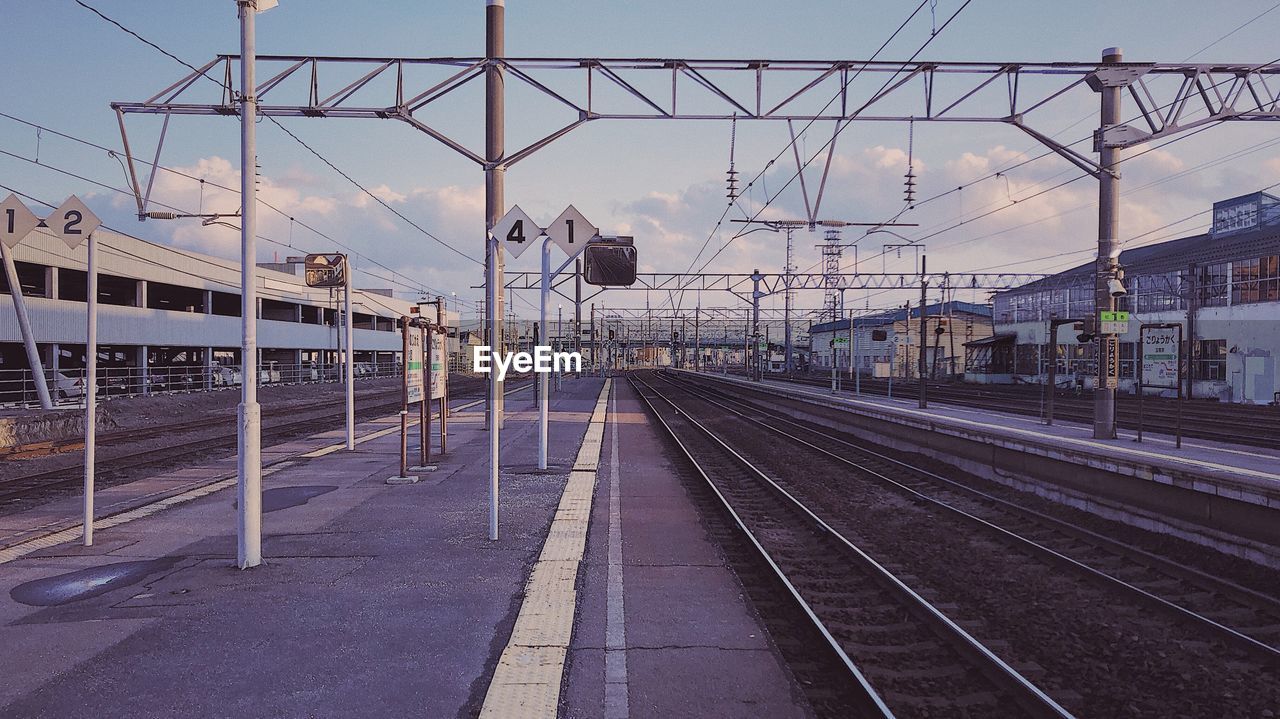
{"x":439,"y":364}
{"x":1111,"y":351}
{"x":1160,"y":350}
{"x":413,"y":365}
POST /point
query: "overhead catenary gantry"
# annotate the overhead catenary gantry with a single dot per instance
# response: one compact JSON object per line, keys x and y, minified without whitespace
{"x":1170,"y":97}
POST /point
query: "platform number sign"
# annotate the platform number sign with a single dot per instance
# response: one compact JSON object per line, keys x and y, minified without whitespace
{"x":516,"y":231}
{"x":72,"y":222}
{"x":16,"y":221}
{"x":570,"y":231}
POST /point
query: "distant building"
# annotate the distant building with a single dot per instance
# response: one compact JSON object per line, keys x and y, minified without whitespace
{"x":1222,"y":286}
{"x":165,"y":312}
{"x":888,"y":342}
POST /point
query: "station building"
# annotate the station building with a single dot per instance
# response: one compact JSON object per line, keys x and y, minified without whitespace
{"x":887,"y":342}
{"x":1222,"y":287}
{"x":169,"y":316}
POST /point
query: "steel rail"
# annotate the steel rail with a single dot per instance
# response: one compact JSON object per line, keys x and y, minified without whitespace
{"x":1026,"y":694}
{"x":1242,"y":595}
{"x":875,"y":703}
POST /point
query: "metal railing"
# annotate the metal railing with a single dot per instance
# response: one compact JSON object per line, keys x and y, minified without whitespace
{"x":18,"y":389}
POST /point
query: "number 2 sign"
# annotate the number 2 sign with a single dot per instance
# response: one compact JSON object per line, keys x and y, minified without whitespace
{"x":73,"y":222}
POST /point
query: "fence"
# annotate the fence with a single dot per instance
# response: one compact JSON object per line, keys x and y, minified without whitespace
{"x":66,"y":386}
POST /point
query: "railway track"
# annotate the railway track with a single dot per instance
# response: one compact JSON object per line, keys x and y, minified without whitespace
{"x":907,"y":656}
{"x":1238,"y":424}
{"x":1226,"y":619}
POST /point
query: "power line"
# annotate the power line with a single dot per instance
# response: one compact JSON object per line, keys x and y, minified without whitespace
{"x":290,"y":134}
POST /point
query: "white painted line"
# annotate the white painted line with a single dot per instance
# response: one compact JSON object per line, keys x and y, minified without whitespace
{"x":616,"y":699}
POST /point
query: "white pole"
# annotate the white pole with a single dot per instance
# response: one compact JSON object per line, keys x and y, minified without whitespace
{"x":543,"y":404}
{"x":249,"y":482}
{"x":348,"y":369}
{"x":90,"y":391}
{"x":24,"y":324}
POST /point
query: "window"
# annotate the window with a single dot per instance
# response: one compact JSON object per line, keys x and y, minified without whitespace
{"x":1244,"y":281}
{"x":1211,"y":364}
{"x":1214,"y":286}
{"x":1128,"y":359}
{"x":30,"y":276}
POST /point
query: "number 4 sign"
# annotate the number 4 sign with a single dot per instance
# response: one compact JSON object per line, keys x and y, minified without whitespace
{"x":516,"y":231}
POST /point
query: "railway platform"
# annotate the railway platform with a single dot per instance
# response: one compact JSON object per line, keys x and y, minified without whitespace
{"x":1213,"y":492}
{"x":604,"y":596}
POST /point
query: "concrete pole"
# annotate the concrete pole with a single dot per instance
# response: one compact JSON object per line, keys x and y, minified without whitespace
{"x":495,"y":47}
{"x":922,"y":361}
{"x":1104,"y":395}
{"x":786,"y":312}
{"x":24,"y":324}
{"x":90,"y":389}
{"x":249,"y":480}
{"x":348,"y":367}
{"x":755,"y":322}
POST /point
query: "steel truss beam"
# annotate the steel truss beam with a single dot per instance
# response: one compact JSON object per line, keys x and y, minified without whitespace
{"x":743,"y":285}
{"x":700,"y":89}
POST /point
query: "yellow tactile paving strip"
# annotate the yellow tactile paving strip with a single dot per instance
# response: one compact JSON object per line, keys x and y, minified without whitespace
{"x":526,"y":682}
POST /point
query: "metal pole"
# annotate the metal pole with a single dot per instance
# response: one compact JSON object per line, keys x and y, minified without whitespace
{"x":495,"y":12}
{"x":444,"y":396}
{"x":424,"y":407}
{"x":1053,"y":371}
{"x":1181,"y":355}
{"x":90,"y":390}
{"x":577,"y":310}
{"x":543,"y":403}
{"x":922,"y":361}
{"x":249,"y":481}
{"x":697,"y":339}
{"x":404,"y":397}
{"x":786,"y":312}
{"x":24,"y":324}
{"x":755,"y":322}
{"x":1104,"y":395}
{"x":857,"y":375}
{"x":348,"y":367}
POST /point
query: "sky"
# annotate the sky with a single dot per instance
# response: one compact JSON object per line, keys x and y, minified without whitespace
{"x":659,"y":181}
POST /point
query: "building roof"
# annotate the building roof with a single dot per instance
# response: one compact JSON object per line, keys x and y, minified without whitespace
{"x":898,"y":315}
{"x":1217,"y":245}
{"x":1003,"y":337}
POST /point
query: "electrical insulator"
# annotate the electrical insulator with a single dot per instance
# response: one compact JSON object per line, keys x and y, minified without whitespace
{"x":162,"y":215}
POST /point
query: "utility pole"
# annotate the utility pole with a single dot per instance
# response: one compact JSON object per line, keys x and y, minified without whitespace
{"x":922,"y":360}
{"x":494,"y":202}
{"x":249,"y":479}
{"x":1104,"y":395}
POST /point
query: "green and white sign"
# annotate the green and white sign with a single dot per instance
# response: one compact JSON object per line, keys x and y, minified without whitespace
{"x":1113,"y":323}
{"x":1160,"y":349}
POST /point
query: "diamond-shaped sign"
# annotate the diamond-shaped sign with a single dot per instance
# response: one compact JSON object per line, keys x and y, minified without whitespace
{"x":16,"y":221}
{"x":571,"y":231}
{"x":73,"y":221}
{"x":516,"y":231}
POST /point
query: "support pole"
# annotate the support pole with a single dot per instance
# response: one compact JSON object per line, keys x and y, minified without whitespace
{"x":424,"y":407}
{"x":249,"y":481}
{"x":444,"y":396}
{"x":577,"y":311}
{"x":495,"y":13}
{"x":24,"y":324}
{"x":755,"y":322}
{"x":1104,"y":395}
{"x":90,"y":389}
{"x":543,"y":389}
{"x":349,"y":367}
{"x":922,"y":360}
